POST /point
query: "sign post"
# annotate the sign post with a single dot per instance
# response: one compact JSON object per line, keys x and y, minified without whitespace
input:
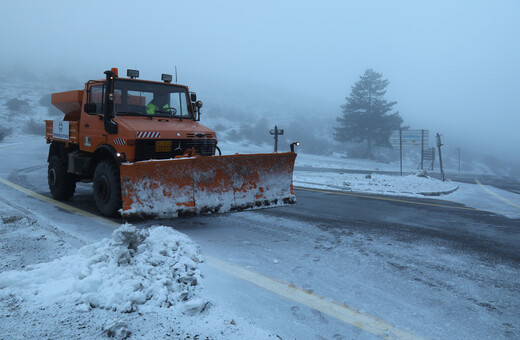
{"x":439,"y":144}
{"x":459,"y":157}
{"x":401,"y":151}
{"x":429,"y":155}
{"x":411,"y":140}
{"x":422,"y":148}
{"x":276,"y":132}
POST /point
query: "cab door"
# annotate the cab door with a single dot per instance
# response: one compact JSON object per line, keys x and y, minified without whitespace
{"x":92,"y":129}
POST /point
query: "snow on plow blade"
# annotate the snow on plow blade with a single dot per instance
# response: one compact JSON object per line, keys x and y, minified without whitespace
{"x":184,"y":186}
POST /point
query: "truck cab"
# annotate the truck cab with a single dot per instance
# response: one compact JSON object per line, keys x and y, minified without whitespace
{"x":129,"y":120}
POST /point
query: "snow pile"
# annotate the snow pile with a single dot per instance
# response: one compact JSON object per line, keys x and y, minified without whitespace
{"x":374,"y":183}
{"x":156,"y":267}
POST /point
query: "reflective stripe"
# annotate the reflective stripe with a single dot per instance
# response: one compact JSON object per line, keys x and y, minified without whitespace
{"x":148,"y":134}
{"x":119,"y":141}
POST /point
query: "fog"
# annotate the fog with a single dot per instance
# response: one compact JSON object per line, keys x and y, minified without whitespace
{"x":453,"y":67}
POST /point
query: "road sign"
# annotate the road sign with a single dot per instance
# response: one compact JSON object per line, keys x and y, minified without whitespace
{"x":410,"y":139}
{"x":429,"y":154}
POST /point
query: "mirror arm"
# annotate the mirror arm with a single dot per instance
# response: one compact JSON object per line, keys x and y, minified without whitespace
{"x":110,"y":125}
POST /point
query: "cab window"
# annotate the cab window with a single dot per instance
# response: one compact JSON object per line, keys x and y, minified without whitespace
{"x":97,"y":94}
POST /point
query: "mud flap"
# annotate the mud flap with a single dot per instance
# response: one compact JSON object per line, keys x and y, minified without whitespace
{"x":184,"y":186}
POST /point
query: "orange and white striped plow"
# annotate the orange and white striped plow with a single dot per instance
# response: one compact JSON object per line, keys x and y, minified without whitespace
{"x":198,"y":185}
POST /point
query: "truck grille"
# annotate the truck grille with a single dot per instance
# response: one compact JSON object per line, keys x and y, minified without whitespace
{"x":145,"y":148}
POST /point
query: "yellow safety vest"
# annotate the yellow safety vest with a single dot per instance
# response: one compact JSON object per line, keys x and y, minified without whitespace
{"x":151,"y":107}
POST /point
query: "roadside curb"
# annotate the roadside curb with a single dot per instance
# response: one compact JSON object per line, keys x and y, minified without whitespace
{"x":439,"y":193}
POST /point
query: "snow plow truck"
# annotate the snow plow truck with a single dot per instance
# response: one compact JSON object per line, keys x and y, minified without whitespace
{"x":141,"y":145}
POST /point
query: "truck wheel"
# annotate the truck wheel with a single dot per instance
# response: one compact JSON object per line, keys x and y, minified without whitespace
{"x":61,"y":183}
{"x":107,"y":188}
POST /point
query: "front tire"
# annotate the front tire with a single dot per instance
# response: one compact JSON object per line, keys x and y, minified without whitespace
{"x":107,"y":188}
{"x":61,"y":183}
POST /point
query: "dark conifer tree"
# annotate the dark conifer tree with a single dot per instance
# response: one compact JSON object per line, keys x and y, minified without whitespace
{"x":366,"y":114}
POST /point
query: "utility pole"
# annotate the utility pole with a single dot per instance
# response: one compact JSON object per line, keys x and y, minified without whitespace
{"x":276,"y":132}
{"x":422,"y":148}
{"x":401,"y":151}
{"x":439,"y":144}
{"x":459,"y":158}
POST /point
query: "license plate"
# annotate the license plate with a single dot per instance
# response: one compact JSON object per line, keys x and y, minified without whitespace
{"x":163,"y":146}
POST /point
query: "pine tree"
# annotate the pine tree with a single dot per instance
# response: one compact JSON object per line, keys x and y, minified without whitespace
{"x":366,"y":113}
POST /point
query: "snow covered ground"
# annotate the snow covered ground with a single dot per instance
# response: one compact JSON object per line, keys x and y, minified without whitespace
{"x":408,"y":185}
{"x":138,"y":283}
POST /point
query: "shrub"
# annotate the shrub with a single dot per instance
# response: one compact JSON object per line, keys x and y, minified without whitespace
{"x":45,"y":101}
{"x":16,"y":104}
{"x":4,"y":132}
{"x":34,"y":127}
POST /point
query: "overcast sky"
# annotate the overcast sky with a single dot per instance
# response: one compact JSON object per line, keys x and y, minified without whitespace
{"x":453,"y":66}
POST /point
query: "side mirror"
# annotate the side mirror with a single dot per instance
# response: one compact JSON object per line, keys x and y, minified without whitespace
{"x":193,"y":96}
{"x":90,"y":108}
{"x":197,"y":105}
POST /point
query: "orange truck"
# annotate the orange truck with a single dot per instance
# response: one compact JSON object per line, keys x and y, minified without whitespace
{"x":141,"y":145}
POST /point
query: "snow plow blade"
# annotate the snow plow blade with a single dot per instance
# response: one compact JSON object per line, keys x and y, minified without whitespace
{"x":199,"y":185}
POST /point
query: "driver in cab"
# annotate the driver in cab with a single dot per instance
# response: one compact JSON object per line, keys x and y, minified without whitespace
{"x":158,"y":103}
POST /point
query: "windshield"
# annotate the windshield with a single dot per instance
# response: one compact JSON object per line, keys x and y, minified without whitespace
{"x":150,"y":99}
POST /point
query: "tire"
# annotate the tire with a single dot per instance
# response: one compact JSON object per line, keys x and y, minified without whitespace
{"x":61,"y":183}
{"x":107,"y":188}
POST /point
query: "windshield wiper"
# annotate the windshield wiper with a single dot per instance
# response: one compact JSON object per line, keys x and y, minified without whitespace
{"x":134,"y":113}
{"x":171,"y":113}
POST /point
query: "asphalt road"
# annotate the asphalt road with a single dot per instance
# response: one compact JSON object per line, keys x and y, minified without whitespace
{"x":403,"y":217}
{"x":502,"y":182}
{"x":408,"y":218}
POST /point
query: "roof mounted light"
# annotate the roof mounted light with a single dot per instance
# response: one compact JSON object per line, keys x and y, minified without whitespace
{"x":132,"y":73}
{"x":167,"y":78}
{"x":114,"y":69}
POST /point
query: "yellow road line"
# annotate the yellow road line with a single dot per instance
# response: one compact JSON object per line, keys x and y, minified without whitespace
{"x":59,"y":204}
{"x":9,"y":146}
{"x":320,"y":303}
{"x":497,"y":195}
{"x":382,"y":198}
{"x":315,"y":301}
